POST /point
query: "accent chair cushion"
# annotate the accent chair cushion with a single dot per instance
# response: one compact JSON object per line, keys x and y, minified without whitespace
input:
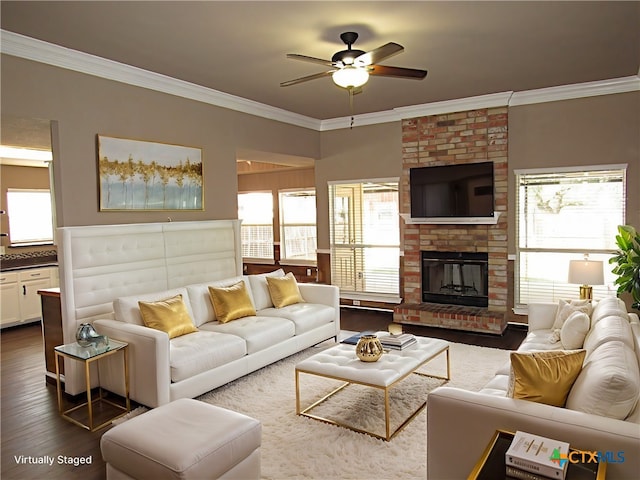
{"x":231,"y":302}
{"x":609,"y":383}
{"x":574,"y":330}
{"x":169,"y":315}
{"x":284,"y":290}
{"x":544,"y":377}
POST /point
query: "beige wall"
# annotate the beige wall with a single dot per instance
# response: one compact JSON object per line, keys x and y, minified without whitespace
{"x":596,"y":130}
{"x":83,"y":106}
{"x":588,"y":131}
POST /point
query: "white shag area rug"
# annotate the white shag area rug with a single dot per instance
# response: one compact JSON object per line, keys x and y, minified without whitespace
{"x":295,"y":447}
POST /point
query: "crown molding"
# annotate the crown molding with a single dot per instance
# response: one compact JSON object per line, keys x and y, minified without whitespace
{"x":39,"y":51}
{"x":578,"y":90}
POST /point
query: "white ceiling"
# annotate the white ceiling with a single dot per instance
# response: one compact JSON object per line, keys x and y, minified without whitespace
{"x":238,"y":47}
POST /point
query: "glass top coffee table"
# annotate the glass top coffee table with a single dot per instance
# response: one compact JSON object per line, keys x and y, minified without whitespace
{"x":341,"y":363}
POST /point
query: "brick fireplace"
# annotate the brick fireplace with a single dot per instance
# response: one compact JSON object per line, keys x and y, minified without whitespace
{"x":462,"y":137}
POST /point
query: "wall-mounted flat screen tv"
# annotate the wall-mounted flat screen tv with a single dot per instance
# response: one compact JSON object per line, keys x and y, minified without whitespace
{"x":463,"y":190}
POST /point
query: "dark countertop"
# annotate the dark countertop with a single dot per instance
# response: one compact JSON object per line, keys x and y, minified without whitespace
{"x":9,"y":267}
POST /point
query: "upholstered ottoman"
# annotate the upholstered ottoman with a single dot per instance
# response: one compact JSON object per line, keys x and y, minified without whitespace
{"x":184,"y":439}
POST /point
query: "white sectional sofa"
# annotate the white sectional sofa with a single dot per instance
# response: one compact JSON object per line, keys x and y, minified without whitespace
{"x":106,"y":269}
{"x":602,"y":411}
{"x":163,"y":369}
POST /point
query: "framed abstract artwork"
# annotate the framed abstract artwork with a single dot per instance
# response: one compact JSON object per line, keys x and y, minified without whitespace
{"x":140,"y":175}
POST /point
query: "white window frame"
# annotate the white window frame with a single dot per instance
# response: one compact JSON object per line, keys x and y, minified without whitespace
{"x":30,"y":212}
{"x":269,"y":257}
{"x":559,"y":287}
{"x":284,"y":254}
{"x":361,"y":249}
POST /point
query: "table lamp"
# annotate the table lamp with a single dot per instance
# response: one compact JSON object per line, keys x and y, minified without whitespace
{"x":586,"y":273}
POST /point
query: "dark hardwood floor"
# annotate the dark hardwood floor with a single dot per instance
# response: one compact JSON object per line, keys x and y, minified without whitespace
{"x":33,"y":431}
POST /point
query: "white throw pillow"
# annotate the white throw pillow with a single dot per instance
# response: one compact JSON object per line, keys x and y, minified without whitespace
{"x":609,"y":383}
{"x":574,"y":330}
{"x":565,"y":309}
{"x":260,"y":290}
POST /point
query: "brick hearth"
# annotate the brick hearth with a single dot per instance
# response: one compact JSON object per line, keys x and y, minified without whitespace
{"x":463,"y":137}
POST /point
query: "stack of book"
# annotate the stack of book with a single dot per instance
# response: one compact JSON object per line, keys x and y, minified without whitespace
{"x":397,"y":342}
{"x":531,"y":457}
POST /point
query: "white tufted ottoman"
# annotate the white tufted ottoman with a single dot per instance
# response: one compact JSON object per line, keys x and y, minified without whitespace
{"x":341,"y":363}
{"x":184,"y":439}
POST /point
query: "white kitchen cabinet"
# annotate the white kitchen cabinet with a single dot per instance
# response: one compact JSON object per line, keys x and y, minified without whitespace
{"x":19,"y":294}
{"x":9,"y":298}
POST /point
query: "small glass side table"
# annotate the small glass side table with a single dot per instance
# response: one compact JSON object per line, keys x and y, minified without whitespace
{"x":88,"y":355}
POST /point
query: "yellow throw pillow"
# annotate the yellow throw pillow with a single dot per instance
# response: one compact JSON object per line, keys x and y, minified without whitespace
{"x":284,"y":290}
{"x":545,"y":377}
{"x":231,"y":302}
{"x":170,"y":316}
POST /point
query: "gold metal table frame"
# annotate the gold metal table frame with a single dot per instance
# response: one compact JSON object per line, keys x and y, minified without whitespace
{"x":386,"y":389}
{"x":74,"y":352}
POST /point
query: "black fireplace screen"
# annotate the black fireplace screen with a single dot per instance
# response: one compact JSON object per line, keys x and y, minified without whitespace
{"x":459,"y":278}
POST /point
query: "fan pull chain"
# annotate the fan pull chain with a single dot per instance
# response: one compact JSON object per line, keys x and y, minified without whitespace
{"x":351,"y":107}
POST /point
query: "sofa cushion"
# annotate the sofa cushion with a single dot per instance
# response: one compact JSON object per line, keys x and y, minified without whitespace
{"x":127,"y":310}
{"x":606,"y":307}
{"x":261,"y":296}
{"x":544,"y":377}
{"x":574,"y":330}
{"x":231,"y":302}
{"x":606,"y":330}
{"x":305,"y":316}
{"x":539,"y":340}
{"x":609,"y":383}
{"x":284,"y":290}
{"x":258,"y":332}
{"x":201,"y":304}
{"x":202,"y":351}
{"x":169,"y":315}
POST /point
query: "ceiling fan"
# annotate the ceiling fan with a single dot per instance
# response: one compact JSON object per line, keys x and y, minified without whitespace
{"x":351,"y":68}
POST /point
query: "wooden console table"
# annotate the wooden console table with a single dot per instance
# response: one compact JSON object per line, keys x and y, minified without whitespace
{"x":51,"y":329}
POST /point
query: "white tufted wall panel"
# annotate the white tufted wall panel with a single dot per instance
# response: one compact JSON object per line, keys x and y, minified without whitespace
{"x":101,"y":263}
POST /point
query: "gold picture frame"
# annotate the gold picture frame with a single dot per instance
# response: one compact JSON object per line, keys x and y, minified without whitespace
{"x":139,"y":175}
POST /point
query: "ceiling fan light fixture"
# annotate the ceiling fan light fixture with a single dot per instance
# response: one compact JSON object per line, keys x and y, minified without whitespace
{"x":350,"y":77}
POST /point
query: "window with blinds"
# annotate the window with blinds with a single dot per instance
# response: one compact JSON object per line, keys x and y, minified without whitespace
{"x":255,"y":209}
{"x":298,"y":237}
{"x":365,"y":236}
{"x":563,"y":214}
{"x":30,"y":216}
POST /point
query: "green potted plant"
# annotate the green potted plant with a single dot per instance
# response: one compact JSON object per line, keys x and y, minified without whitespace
{"x":627,"y":261}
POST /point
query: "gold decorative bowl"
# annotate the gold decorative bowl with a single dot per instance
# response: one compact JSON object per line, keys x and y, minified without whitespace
{"x":369,"y":348}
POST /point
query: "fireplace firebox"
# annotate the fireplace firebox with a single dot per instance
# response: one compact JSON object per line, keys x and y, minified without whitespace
{"x":459,"y":278}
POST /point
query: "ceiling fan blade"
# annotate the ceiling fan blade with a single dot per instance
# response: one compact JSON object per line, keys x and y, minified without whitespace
{"x":379,"y":54}
{"x":385,"y":71}
{"x":306,"y":79}
{"x":306,"y":58}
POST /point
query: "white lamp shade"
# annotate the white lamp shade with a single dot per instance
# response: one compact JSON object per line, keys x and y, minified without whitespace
{"x":350,"y":77}
{"x":586,"y":272}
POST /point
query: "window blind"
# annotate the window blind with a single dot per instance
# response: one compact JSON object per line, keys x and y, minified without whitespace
{"x":562,"y":215}
{"x":255,"y":209}
{"x":30,"y":216}
{"x":298,"y":233}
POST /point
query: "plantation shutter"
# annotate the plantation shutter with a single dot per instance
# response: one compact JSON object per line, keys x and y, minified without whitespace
{"x":562,"y":215}
{"x":365,"y":237}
